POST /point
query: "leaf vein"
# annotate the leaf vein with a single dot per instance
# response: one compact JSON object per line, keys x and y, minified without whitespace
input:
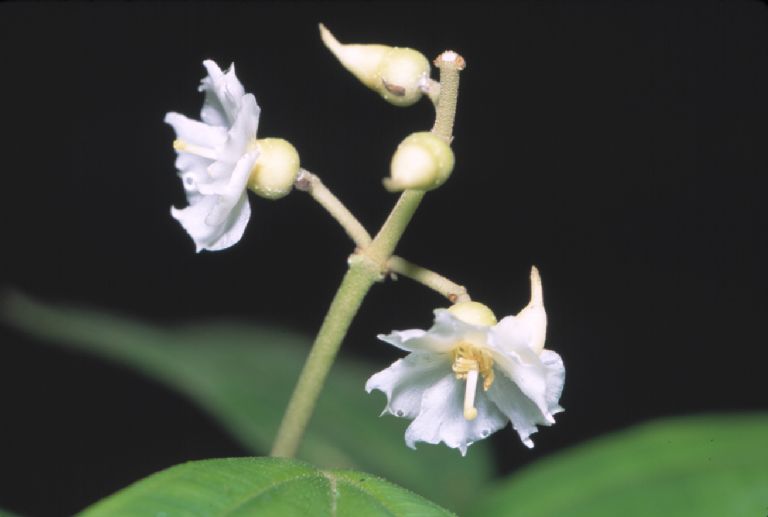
{"x":265,"y":490}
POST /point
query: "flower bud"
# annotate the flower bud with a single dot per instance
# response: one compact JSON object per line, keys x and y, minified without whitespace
{"x":474,"y":313}
{"x":276,"y":168}
{"x":423,"y":161}
{"x":395,"y":73}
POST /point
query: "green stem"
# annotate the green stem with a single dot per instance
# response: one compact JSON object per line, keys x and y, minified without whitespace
{"x":365,"y":268}
{"x":450,"y":64}
{"x":313,"y":186}
{"x":358,"y":280}
{"x":454,"y":292}
{"x":393,"y":228}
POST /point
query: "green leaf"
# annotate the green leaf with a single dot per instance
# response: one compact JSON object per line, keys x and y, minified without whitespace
{"x":264,"y":487}
{"x":701,"y":466}
{"x":243,"y":375}
{"x":6,"y":513}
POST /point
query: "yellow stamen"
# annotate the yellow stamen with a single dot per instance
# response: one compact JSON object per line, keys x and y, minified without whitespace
{"x":469,"y":362}
{"x":185,"y":147}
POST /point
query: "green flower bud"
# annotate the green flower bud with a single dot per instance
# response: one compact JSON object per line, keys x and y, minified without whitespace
{"x":397,"y":74}
{"x":423,"y":161}
{"x":275,"y":170}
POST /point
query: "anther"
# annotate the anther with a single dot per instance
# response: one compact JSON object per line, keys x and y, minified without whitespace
{"x":184,"y":147}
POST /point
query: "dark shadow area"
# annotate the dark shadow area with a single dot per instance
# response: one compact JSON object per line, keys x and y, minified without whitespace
{"x":619,"y":147}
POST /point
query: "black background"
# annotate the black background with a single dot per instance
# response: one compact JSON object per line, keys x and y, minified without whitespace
{"x":619,"y":146}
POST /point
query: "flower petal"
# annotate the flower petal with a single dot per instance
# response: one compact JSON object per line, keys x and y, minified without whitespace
{"x":192,"y":179}
{"x":523,"y":413}
{"x":512,"y":393}
{"x":195,"y":132}
{"x":529,"y":374}
{"x":234,"y":183}
{"x":445,"y":333}
{"x":399,"y":338}
{"x":187,"y":162}
{"x":405,"y":381}
{"x":527,"y":329}
{"x":242,"y":133}
{"x":555,"y":379}
{"x":194,"y":219}
{"x":441,"y":418}
{"x":223,"y":93}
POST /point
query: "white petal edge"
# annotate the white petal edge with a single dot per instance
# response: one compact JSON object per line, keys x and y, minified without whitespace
{"x":195,"y":132}
{"x":529,"y":375}
{"x":243,"y":131}
{"x":442,"y":337}
{"x":214,"y":238}
{"x":527,"y":329}
{"x":441,"y":418}
{"x":518,"y":408}
{"x":405,"y":381}
{"x":555,"y":379}
{"x":524,"y":413}
{"x":223,"y":95}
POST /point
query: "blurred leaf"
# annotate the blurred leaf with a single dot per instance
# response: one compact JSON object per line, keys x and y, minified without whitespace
{"x":244,"y":374}
{"x":696,"y":466}
{"x":264,"y":487}
{"x":6,"y":513}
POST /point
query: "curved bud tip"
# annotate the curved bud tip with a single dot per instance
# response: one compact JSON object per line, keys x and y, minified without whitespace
{"x":396,"y":74}
{"x":422,"y":161}
{"x":329,"y":39}
{"x":363,"y":61}
{"x":275,"y":170}
{"x":537,"y":293}
{"x":534,"y":315}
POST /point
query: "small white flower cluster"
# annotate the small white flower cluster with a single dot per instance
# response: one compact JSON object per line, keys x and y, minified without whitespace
{"x":467,"y":376}
{"x":436,"y":384}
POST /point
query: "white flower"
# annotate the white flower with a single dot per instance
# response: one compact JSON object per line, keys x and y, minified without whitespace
{"x":436,"y":384}
{"x":215,"y":159}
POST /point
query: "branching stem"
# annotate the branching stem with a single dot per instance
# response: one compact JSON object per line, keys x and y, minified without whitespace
{"x":366,"y":266}
{"x":313,"y":186}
